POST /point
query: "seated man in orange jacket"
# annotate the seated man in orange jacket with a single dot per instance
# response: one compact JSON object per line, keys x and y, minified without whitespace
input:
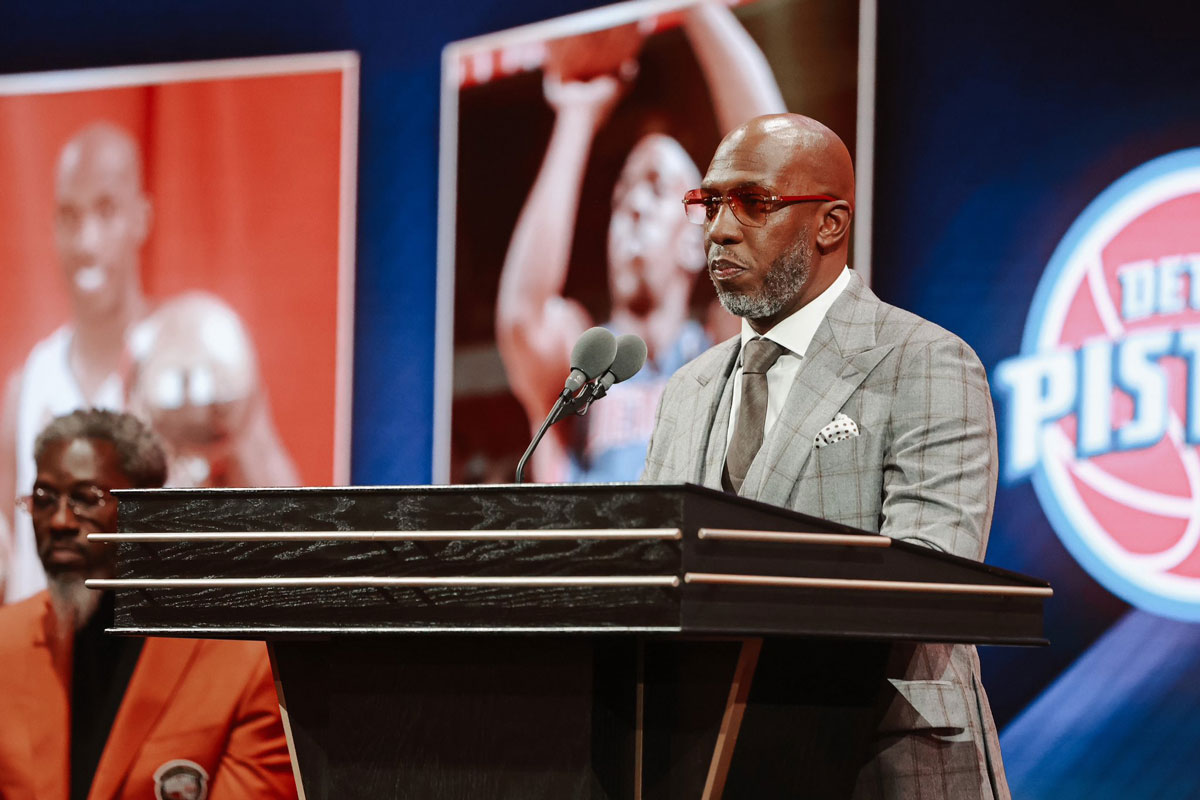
{"x":87,"y":715}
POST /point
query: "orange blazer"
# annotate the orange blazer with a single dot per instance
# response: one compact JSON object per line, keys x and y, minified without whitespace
{"x":194,"y":711}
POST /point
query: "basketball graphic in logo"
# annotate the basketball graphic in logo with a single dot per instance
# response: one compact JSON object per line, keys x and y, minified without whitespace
{"x":1102,"y":407}
{"x":180,"y":779}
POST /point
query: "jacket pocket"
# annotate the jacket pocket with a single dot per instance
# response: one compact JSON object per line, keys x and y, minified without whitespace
{"x":841,"y":483}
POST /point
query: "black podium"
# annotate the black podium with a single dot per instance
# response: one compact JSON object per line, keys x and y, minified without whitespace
{"x":578,"y":641}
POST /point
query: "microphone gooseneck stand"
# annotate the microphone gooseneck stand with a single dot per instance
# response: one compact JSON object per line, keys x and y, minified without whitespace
{"x":596,"y":353}
{"x":551,"y":418}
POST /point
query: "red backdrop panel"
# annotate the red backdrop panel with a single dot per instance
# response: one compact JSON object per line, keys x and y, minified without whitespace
{"x":243,"y":176}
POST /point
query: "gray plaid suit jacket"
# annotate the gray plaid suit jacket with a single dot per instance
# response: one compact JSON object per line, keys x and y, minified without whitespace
{"x":922,"y":469}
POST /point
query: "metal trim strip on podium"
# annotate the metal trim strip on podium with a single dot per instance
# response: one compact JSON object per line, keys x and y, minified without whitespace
{"x":388,"y":536}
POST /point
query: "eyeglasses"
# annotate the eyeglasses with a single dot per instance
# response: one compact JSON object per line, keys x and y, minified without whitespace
{"x":750,"y":206}
{"x":84,"y":501}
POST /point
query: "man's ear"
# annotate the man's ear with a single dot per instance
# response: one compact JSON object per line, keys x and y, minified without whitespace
{"x":835,"y":226}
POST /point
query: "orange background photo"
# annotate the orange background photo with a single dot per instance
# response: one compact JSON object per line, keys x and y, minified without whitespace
{"x":243,"y":178}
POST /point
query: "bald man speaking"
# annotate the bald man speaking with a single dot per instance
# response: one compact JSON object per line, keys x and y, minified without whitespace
{"x":834,"y":403}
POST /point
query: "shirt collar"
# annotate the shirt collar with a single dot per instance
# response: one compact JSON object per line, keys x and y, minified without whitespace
{"x":796,"y":331}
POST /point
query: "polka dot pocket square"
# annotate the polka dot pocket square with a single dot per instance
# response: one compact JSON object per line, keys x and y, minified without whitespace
{"x":841,"y":428}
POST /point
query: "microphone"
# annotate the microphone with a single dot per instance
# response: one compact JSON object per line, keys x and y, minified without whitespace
{"x":631,"y":356}
{"x":593,"y":354}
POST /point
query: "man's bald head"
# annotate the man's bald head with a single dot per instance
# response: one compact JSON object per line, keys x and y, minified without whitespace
{"x":788,"y":252}
{"x":105,"y":147}
{"x":801,"y":149}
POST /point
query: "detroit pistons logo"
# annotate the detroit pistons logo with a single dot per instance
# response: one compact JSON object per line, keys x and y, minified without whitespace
{"x":180,"y":779}
{"x":1102,"y":407}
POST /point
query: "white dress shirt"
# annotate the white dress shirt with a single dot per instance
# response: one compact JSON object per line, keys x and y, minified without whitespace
{"x":794,"y":333}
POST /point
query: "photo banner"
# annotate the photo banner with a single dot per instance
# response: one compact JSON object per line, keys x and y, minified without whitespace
{"x":566,"y":149}
{"x":249,"y":170}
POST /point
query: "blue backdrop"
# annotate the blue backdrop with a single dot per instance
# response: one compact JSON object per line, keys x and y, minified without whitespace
{"x":997,"y":123}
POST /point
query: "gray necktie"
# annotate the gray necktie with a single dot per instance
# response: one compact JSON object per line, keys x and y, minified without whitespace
{"x":758,"y":356}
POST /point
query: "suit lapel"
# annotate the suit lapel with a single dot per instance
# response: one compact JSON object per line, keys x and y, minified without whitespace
{"x":708,"y":424}
{"x":46,"y":711}
{"x":718,"y":439}
{"x":842,"y":353}
{"x":159,"y":669}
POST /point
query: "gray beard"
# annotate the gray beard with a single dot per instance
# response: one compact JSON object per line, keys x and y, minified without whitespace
{"x":73,"y":603}
{"x":784,"y":280}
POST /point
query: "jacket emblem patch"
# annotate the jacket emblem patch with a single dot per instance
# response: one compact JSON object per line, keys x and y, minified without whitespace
{"x":180,"y":779}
